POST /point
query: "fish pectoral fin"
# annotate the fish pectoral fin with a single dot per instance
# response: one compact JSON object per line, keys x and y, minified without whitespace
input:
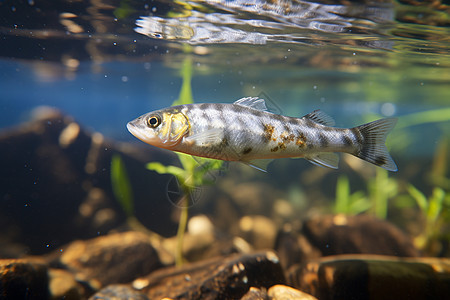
{"x":324,"y":159}
{"x":320,"y":117}
{"x":253,"y":102}
{"x":210,"y":136}
{"x":258,"y":164}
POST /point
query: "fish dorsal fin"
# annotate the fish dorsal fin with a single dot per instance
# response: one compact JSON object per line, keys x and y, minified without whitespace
{"x":320,"y":117}
{"x":252,"y":102}
{"x":324,"y":159}
{"x":211,"y":136}
{"x":259,"y":164}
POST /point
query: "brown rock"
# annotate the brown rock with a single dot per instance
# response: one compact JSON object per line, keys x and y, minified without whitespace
{"x":293,"y":248}
{"x":218,"y":278}
{"x":284,"y":292}
{"x":118,"y":292}
{"x":373,"y":277}
{"x":340,"y":234}
{"x":115,"y":258}
{"x":256,"y":294}
{"x":64,"y":286}
{"x":23,"y":279}
{"x":258,"y":231}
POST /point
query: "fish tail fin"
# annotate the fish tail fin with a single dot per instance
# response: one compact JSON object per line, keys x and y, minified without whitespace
{"x":373,"y":148}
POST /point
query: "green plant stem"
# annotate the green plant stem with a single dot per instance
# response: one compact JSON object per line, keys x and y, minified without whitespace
{"x":182,"y":229}
{"x":381,"y":198}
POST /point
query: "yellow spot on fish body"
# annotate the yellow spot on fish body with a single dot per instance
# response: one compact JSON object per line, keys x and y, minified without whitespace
{"x":286,"y":137}
{"x":269,"y":132}
{"x":301,"y":140}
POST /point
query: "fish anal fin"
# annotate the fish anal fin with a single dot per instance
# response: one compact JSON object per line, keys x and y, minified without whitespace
{"x":320,"y":117}
{"x":259,"y":164}
{"x":210,"y":136}
{"x":252,"y":102}
{"x":324,"y":159}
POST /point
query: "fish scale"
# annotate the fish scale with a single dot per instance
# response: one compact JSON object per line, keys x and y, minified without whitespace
{"x":245,"y":131}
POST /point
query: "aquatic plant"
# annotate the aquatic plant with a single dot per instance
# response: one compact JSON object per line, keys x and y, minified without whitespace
{"x":439,"y":168}
{"x":123,"y":193}
{"x":124,"y":10}
{"x":433,"y":209}
{"x":380,"y":190}
{"x":121,"y":186}
{"x":192,"y":174}
{"x":349,"y":203}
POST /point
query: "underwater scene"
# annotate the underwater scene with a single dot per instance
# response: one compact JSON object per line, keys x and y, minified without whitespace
{"x":225,"y":149}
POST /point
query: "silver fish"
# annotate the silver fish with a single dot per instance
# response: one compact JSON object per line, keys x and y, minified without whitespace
{"x":245,"y":131}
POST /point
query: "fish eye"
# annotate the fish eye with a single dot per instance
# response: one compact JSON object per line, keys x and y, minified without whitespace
{"x":154,"y":121}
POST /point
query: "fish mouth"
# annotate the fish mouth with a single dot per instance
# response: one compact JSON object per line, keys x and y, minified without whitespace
{"x":140,"y":133}
{"x":147,"y":136}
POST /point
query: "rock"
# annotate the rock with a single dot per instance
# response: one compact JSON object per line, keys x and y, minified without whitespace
{"x":64,"y":286}
{"x":283,"y":292}
{"x":256,"y":294}
{"x":118,"y":292}
{"x":219,"y":278}
{"x":258,"y":231}
{"x":293,"y":247}
{"x":340,"y":234}
{"x":23,"y":279}
{"x":200,"y":238}
{"x":115,"y":258}
{"x":55,"y":172}
{"x":373,"y":277}
{"x":202,"y":241}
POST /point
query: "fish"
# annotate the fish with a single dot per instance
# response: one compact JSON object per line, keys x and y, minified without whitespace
{"x":246,"y":131}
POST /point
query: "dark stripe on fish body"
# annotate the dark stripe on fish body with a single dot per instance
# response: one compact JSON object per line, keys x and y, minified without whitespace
{"x":205,"y":106}
{"x":223,"y":117}
{"x":357,"y":136}
{"x":287,"y":128}
{"x":323,"y":140}
{"x":278,"y":118}
{"x":346,"y":140}
{"x":247,"y":150}
{"x":293,"y":121}
{"x":257,"y":113}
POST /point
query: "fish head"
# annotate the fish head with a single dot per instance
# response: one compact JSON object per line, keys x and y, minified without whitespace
{"x":162,"y":128}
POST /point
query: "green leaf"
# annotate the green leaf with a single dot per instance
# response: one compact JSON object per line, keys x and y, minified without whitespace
{"x":342,"y":195}
{"x":435,"y":204}
{"x":420,"y":198}
{"x":185,"y":96}
{"x":359,"y":203}
{"x":162,"y":169}
{"x":124,"y":10}
{"x":187,"y":161}
{"x":121,"y":185}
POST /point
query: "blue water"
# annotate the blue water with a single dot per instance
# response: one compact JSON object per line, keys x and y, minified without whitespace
{"x":104,"y":97}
